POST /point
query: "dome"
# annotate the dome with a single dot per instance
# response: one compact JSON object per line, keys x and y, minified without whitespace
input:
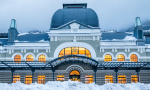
{"x":85,"y":16}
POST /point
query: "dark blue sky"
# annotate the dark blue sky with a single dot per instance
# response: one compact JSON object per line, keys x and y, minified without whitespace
{"x":37,"y":14}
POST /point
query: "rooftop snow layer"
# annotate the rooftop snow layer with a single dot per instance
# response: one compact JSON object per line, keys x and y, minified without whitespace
{"x":3,"y":41}
{"x":129,"y":38}
{"x":115,"y":36}
{"x":73,"y":85}
{"x":33,"y":37}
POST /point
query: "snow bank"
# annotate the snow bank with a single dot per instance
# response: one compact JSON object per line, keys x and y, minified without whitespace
{"x":72,"y":85}
{"x":129,"y":38}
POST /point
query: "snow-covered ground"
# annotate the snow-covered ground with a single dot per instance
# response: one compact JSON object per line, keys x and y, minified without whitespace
{"x":72,"y":85}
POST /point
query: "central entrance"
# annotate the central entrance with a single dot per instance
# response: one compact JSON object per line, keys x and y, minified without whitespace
{"x":74,"y":75}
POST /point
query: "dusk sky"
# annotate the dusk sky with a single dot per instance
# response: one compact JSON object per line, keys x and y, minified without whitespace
{"x":37,"y":14}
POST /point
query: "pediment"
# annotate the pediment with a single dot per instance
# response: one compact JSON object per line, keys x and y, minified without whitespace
{"x":74,"y":24}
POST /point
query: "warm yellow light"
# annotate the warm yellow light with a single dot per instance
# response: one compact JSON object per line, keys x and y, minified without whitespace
{"x":88,"y":79}
{"x":17,"y":59}
{"x":28,"y":79}
{"x":74,"y":72}
{"x":29,"y":58}
{"x":16,"y":78}
{"x":42,"y":58}
{"x":120,"y":57}
{"x":108,"y":79}
{"x":107,"y":58}
{"x":134,"y":78}
{"x":60,"y":77}
{"x":41,"y":79}
{"x":122,"y":79}
{"x":134,"y":58}
{"x":75,"y":51}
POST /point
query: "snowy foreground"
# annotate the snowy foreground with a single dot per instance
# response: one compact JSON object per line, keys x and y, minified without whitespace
{"x":70,"y":85}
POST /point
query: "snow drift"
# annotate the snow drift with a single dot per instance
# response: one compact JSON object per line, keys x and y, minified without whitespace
{"x":129,"y":38}
{"x":73,"y":85}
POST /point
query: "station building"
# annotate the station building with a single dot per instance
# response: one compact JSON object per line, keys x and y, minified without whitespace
{"x":75,"y":49}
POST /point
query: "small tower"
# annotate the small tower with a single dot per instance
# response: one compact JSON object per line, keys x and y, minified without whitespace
{"x":12,"y":31}
{"x":138,"y":32}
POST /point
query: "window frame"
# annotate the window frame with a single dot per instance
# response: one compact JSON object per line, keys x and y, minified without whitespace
{"x":39,"y":79}
{"x":41,"y":57}
{"x":134,"y":57}
{"x":107,"y":59}
{"x":16,"y":77}
{"x":17,"y":61}
{"x":62,"y":78}
{"x":136,"y":81}
{"x":110,"y":81}
{"x":26,"y":77}
{"x":122,"y":77}
{"x":77,"y":51}
{"x":87,"y":79}
{"x":122,"y":59}
{"x":29,"y":58}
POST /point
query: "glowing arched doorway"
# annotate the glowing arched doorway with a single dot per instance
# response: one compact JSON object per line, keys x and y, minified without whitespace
{"x":75,"y":51}
{"x":74,"y":75}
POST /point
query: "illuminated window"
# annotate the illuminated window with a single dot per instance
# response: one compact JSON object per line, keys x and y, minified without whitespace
{"x":88,"y":79}
{"x":75,"y":75}
{"x":61,"y":53}
{"x":122,"y":79}
{"x":88,"y":54}
{"x":120,"y":57}
{"x":108,"y":79}
{"x":60,"y":78}
{"x":134,"y":58}
{"x":75,"y":51}
{"x":16,"y":78}
{"x":28,"y":79}
{"x":42,"y":58}
{"x":29,"y":58}
{"x":107,"y":58}
{"x":74,"y":72}
{"x":134,"y":78}
{"x":41,"y":79}
{"x":17,"y":59}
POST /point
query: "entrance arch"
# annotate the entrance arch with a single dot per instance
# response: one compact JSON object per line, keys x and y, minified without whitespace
{"x":74,"y":75}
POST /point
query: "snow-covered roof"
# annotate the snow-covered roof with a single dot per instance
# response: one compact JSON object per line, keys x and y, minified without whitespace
{"x":35,"y":37}
{"x":117,"y":36}
{"x":3,"y":41}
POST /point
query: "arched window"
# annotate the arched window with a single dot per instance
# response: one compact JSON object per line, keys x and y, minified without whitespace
{"x":41,"y":79}
{"x":29,"y":58}
{"x":74,"y":72}
{"x":134,"y":78}
{"x":108,"y":79}
{"x":107,"y":58}
{"x":28,"y":79}
{"x":120,"y":57}
{"x":16,"y":78}
{"x":134,"y":58}
{"x":88,"y":79}
{"x":75,"y":51}
{"x":17,"y":58}
{"x":75,"y":75}
{"x":122,"y":79}
{"x":60,"y":77}
{"x":42,"y":58}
